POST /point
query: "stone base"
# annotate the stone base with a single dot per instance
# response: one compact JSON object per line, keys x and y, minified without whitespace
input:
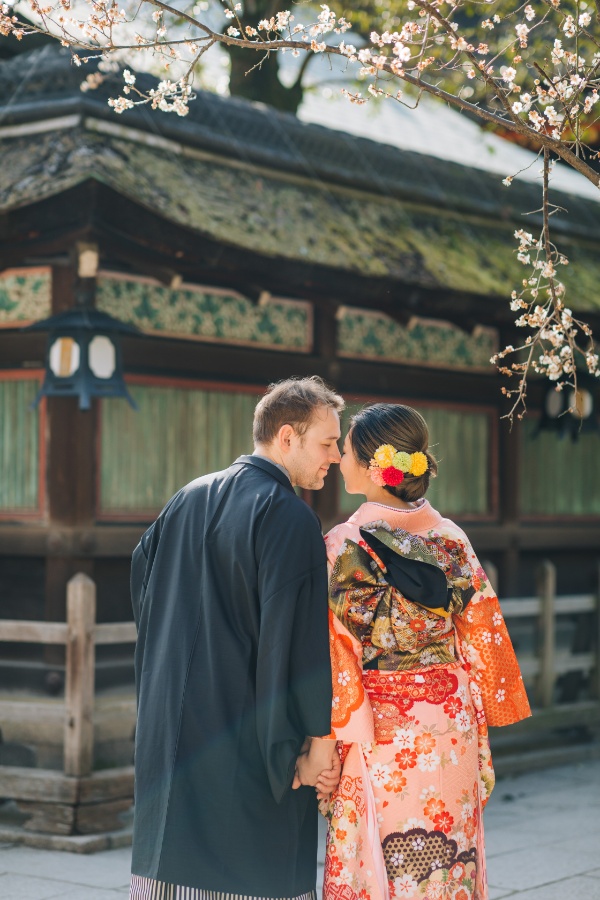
{"x":15,"y":828}
{"x":85,"y":843}
{"x":43,"y":801}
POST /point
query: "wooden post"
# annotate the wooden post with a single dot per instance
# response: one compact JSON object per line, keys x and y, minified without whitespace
{"x":79,"y":682}
{"x":509,"y":467}
{"x":71,"y":467}
{"x":546,"y":586}
{"x":596,"y":692}
{"x":326,"y":501}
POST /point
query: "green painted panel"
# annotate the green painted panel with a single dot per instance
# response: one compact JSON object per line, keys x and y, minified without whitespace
{"x":19,"y":446}
{"x":176,"y":436}
{"x":211,"y":315}
{"x":24,"y":294}
{"x":559,"y":477}
{"x":461,"y":443}
{"x":373,"y":335}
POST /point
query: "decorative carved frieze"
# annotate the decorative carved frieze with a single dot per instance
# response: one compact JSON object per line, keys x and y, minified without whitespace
{"x":25,"y":295}
{"x":206,"y":313}
{"x":366,"y":334}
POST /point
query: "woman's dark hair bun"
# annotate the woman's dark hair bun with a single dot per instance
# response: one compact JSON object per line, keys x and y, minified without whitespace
{"x":406,"y":430}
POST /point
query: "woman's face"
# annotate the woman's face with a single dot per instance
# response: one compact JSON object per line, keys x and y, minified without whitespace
{"x":356,"y":475}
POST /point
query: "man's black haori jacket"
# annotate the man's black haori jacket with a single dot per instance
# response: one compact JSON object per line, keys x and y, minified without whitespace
{"x":229,"y":592}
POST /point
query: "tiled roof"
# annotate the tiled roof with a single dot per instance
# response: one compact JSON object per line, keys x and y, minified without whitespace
{"x":250,"y":177}
{"x":44,"y":82}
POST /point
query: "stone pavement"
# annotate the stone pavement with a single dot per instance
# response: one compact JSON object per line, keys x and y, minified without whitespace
{"x":542,"y":830}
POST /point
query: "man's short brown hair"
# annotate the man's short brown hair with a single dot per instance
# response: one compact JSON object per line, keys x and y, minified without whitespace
{"x":291,"y":402}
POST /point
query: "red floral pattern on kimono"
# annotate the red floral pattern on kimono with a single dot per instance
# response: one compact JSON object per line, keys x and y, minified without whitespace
{"x":406,"y":819}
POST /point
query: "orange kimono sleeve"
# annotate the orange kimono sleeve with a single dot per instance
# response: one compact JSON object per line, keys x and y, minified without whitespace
{"x":488,"y":654}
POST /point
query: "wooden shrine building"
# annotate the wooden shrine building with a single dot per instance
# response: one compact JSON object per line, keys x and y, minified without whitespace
{"x":246,"y":247}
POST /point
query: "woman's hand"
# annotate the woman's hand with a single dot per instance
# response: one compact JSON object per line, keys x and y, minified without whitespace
{"x":329,"y":779}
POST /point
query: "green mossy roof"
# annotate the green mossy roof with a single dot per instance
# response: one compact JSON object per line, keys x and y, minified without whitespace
{"x":288,"y":217}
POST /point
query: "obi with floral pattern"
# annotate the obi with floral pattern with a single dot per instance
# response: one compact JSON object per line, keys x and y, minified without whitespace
{"x":395,"y":632}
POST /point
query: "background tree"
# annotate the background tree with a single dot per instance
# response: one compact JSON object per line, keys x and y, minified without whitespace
{"x":262,"y":82}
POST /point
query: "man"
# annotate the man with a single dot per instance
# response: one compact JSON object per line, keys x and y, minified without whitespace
{"x":229,"y":591}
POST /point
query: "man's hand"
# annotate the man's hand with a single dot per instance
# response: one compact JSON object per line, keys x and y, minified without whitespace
{"x":296,"y":783}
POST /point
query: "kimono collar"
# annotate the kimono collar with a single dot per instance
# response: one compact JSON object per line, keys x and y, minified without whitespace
{"x":267,"y":466}
{"x":416,"y":520}
{"x":279,"y":466}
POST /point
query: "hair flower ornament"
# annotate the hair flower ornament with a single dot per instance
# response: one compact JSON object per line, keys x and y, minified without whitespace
{"x":384,"y":456}
{"x":418,"y":464}
{"x":389,"y":466}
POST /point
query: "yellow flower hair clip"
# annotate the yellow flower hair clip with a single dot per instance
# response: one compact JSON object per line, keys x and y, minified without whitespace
{"x":389,"y":466}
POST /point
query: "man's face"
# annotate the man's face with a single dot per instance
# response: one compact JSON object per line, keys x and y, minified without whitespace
{"x":312,"y":453}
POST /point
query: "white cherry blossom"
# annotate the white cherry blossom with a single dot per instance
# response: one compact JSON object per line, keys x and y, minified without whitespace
{"x":428,"y":762}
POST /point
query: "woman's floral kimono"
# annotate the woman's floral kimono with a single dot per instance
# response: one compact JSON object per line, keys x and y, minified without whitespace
{"x":414,"y":690}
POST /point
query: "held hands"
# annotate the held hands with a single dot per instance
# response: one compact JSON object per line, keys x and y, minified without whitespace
{"x":318,"y":765}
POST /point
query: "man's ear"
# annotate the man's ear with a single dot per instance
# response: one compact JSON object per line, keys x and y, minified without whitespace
{"x":284,"y":438}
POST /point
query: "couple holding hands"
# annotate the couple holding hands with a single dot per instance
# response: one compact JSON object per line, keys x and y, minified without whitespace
{"x":279,"y":673}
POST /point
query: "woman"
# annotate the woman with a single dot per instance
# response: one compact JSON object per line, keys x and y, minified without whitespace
{"x":422,"y":663}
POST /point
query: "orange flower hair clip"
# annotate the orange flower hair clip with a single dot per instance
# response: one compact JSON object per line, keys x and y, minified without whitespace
{"x":389,"y":466}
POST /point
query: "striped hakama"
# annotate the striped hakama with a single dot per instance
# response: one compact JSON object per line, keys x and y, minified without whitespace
{"x":151,"y":889}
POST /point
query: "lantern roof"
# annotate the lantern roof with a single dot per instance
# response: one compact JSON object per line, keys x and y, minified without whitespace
{"x":83,"y":320}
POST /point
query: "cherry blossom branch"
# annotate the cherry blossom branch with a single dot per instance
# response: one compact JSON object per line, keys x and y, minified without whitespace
{"x":552,"y":348}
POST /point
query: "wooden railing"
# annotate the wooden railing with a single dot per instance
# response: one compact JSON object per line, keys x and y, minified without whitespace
{"x":80,"y":634}
{"x":76,"y":800}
